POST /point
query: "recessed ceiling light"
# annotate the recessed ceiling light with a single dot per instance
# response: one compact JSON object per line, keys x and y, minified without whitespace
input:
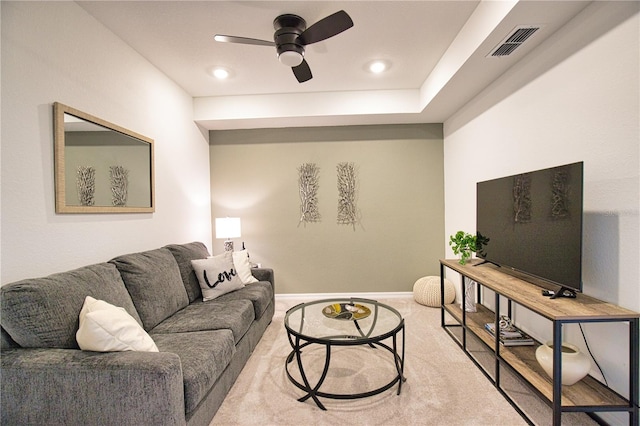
{"x":220,"y":73}
{"x":378,"y":66}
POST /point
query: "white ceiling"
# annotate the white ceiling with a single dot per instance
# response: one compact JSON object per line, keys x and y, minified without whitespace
{"x":437,"y":50}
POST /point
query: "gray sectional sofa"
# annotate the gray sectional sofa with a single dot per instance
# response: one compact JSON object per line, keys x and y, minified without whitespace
{"x":203,"y":346}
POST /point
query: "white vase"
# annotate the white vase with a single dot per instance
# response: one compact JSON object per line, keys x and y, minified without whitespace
{"x":469,"y":295}
{"x":575,"y":364}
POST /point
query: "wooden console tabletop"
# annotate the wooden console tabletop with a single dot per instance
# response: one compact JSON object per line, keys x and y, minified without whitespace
{"x":530,"y":295}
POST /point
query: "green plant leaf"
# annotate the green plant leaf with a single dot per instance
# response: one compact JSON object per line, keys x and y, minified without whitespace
{"x":463,"y":244}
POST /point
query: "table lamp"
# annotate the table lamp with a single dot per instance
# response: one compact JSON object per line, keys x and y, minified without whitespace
{"x":228,"y":227}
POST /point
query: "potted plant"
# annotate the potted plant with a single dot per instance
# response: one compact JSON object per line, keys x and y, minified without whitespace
{"x":463,"y":244}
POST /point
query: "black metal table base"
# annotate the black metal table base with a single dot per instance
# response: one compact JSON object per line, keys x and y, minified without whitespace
{"x":314,"y":392}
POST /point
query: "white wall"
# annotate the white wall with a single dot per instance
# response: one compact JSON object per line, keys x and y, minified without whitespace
{"x":575,"y":98}
{"x":55,"y":51}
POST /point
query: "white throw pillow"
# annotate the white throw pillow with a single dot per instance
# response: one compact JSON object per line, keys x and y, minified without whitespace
{"x":243,"y":266}
{"x":108,"y":328}
{"x":217,"y":275}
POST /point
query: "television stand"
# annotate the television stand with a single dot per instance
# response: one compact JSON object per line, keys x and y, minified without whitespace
{"x":494,"y":360}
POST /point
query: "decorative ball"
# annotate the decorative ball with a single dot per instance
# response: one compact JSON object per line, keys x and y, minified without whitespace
{"x":426,"y":291}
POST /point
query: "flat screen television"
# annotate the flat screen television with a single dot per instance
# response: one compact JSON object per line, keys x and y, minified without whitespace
{"x":530,"y":225}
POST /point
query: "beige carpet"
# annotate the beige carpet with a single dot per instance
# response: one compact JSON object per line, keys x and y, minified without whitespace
{"x":443,"y":386}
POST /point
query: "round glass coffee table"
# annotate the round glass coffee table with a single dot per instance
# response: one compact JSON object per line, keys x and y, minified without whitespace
{"x":342,"y":322}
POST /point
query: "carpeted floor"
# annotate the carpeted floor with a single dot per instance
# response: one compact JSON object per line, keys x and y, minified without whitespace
{"x":443,"y":386}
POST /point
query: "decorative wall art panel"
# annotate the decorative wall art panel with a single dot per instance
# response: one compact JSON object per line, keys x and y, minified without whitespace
{"x":347,"y":192}
{"x":308,"y":183}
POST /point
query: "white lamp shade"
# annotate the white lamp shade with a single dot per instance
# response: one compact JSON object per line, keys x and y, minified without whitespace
{"x":227,"y":227}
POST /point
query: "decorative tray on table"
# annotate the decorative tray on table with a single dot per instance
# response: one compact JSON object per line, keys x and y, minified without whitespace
{"x":346,"y":311}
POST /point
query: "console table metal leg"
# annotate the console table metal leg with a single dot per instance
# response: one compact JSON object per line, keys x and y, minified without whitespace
{"x":441,"y":295}
{"x":557,"y":373}
{"x":464,"y":316}
{"x":496,"y":342}
{"x":634,"y":370}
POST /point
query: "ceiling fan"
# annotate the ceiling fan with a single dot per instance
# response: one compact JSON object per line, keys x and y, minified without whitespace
{"x":291,"y":37}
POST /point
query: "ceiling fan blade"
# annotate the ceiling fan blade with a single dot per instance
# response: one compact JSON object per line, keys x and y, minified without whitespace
{"x":326,"y":27}
{"x":242,"y":40}
{"x":302,"y":72}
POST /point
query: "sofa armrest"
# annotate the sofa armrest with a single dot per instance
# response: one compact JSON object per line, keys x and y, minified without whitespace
{"x":264,"y":274}
{"x":73,"y":387}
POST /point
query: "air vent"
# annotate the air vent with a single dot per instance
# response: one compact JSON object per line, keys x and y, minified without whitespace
{"x":514,"y":40}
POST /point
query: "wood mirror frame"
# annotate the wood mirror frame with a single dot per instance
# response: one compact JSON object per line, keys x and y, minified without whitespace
{"x":87,"y":143}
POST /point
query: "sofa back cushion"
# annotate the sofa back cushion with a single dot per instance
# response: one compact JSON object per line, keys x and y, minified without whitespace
{"x":184,"y":254}
{"x":43,"y":312}
{"x":154,"y":283}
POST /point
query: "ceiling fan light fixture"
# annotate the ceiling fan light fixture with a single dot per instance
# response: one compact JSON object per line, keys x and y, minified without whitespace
{"x":290,"y":58}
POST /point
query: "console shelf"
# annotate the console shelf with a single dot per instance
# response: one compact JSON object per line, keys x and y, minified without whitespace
{"x":588,"y":395}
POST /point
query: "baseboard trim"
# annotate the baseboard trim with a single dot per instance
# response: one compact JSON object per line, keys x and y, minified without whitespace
{"x":317,"y":296}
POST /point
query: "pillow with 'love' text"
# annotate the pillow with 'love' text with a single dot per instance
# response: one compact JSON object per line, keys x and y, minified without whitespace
{"x":216,"y":275}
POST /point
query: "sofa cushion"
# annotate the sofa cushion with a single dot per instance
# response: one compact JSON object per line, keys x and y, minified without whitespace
{"x":204,"y":356}
{"x":264,"y":274}
{"x":184,"y":254}
{"x":154,"y":283}
{"x":260,"y":294}
{"x":235,"y":315}
{"x":43,"y":312}
{"x":108,"y":328}
{"x":217,"y":275}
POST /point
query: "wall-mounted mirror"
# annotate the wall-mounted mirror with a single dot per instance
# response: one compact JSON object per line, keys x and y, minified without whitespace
{"x":100,"y":167}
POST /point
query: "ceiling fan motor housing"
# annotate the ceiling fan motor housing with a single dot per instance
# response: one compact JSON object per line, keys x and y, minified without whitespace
{"x":288,"y":28}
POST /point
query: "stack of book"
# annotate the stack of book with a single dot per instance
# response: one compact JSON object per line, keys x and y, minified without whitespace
{"x":512,"y":336}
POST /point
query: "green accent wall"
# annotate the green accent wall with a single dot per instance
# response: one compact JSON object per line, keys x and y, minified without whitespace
{"x":400,"y":199}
